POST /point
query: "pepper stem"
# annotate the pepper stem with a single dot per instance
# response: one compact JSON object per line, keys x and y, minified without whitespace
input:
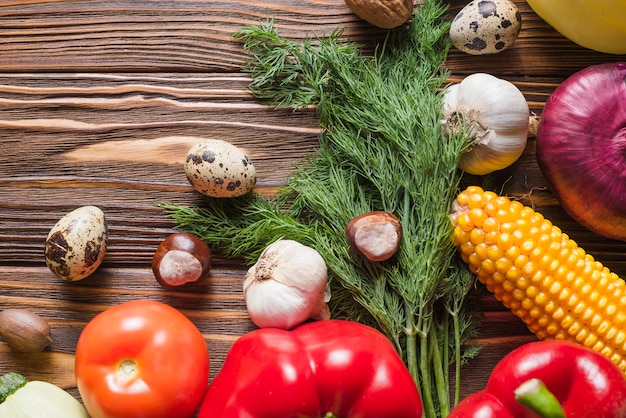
{"x":9,"y":384}
{"x":534,"y":395}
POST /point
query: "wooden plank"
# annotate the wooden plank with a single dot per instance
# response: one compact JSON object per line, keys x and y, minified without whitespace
{"x":196,"y":36}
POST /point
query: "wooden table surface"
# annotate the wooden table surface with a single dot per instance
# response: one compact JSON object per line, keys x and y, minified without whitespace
{"x":97,"y":101}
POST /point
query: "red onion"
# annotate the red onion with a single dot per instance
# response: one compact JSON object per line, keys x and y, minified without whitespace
{"x":581,"y":147}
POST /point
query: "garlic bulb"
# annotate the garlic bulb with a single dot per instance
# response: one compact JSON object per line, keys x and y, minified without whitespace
{"x":497,"y":114}
{"x":286,"y":286}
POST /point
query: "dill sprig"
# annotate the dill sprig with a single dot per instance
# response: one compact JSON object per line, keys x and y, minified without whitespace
{"x":381,"y":148}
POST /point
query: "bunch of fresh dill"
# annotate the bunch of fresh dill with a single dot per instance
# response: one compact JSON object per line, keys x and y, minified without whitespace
{"x":382,"y":148}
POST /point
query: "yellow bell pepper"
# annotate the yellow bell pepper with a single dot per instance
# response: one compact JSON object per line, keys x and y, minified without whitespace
{"x":599,"y":25}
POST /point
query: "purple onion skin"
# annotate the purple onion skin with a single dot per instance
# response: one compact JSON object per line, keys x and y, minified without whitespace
{"x":581,"y":147}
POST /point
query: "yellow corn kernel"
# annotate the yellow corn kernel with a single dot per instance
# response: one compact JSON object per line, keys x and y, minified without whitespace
{"x":582,"y":335}
{"x":488,"y":266}
{"x":465,"y":222}
{"x":539,"y":273}
{"x":580,"y":308}
{"x":503,"y":265}
{"x":476,"y":236}
{"x":505,"y":240}
{"x":490,"y":225}
{"x":590,"y":340}
{"x":467,"y":248}
{"x":507,"y":227}
{"x":535,"y":313}
{"x":521,"y":261}
{"x":520,"y":236}
{"x":494,"y":253}
{"x":532,"y":292}
{"x":491,"y":238}
{"x":476,"y":200}
{"x":478,"y":216}
{"x":513,"y":274}
{"x":541,"y":300}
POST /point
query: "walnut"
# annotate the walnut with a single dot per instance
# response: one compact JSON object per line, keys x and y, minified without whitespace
{"x":385,"y":14}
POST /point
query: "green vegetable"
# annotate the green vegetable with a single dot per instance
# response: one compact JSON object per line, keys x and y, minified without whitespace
{"x":22,"y":399}
{"x":382,"y":148}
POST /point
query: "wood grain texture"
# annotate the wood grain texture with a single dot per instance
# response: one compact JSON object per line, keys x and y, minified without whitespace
{"x":99,"y":102}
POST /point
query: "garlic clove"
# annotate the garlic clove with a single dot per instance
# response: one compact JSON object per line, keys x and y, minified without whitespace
{"x":327,"y":293}
{"x":273,"y":305}
{"x":322,"y":311}
{"x":286,"y":286}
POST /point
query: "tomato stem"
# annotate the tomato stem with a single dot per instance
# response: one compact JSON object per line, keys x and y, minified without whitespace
{"x":127,"y":369}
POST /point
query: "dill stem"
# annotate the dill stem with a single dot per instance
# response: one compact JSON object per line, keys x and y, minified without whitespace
{"x":427,"y":395}
{"x":457,"y":359}
{"x":411,"y":348}
{"x":445,"y":347}
{"x":439,"y":375}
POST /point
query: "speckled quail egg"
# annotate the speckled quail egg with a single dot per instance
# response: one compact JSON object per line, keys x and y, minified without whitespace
{"x":76,"y":244}
{"x":218,"y":168}
{"x":486,"y":27}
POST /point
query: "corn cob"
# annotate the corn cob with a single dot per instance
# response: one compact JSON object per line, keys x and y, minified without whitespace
{"x":542,"y":275}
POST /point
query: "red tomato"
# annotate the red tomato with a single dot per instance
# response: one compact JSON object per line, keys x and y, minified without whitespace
{"x":141,"y":359}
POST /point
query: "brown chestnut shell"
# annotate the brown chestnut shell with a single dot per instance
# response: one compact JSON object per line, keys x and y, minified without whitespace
{"x":24,"y":331}
{"x":181,"y":259}
{"x":375,"y":235}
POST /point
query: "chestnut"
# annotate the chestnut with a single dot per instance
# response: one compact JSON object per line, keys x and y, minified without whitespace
{"x":375,"y":235}
{"x":180,"y":259}
{"x":24,"y":331}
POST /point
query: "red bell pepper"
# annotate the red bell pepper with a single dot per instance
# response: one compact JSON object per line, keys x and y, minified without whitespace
{"x":580,"y":383}
{"x":320,"y":369}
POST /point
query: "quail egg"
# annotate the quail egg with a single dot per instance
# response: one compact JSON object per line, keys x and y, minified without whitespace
{"x":76,"y":244}
{"x":486,"y":27}
{"x":217,"y":168}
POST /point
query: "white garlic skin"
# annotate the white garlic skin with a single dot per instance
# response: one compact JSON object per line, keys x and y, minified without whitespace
{"x":486,"y":27}
{"x":76,"y":244}
{"x":498,"y":114}
{"x":218,"y":168}
{"x":287,"y":286}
